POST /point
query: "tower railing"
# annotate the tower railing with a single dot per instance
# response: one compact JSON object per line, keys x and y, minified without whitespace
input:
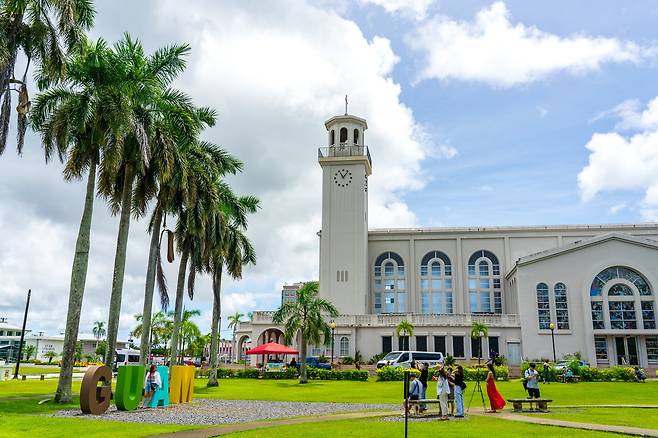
{"x":345,"y":150}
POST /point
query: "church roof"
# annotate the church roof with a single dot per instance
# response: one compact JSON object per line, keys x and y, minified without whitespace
{"x":514,"y":229}
{"x":582,"y":244}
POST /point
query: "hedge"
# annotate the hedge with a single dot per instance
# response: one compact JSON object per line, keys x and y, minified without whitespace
{"x":312,"y":373}
{"x":387,"y":374}
{"x":587,"y":374}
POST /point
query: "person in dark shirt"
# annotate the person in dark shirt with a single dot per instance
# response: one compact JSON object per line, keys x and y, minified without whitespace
{"x":460,"y":386}
{"x":424,"y":373}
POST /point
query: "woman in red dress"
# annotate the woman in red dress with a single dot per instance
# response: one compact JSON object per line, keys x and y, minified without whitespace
{"x":495,"y":399}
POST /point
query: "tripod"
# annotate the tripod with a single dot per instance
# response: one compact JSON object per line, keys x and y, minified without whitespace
{"x":478,"y":388}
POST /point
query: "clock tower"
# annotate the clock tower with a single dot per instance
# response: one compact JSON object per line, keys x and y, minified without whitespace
{"x":346,"y":165}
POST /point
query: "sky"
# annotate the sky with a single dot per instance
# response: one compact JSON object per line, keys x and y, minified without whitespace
{"x":479,"y":113}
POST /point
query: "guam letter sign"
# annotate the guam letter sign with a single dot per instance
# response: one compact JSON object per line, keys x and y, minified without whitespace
{"x":95,"y":398}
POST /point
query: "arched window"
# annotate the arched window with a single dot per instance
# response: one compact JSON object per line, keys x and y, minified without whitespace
{"x":344,"y":346}
{"x":332,"y":137}
{"x":435,"y":283}
{"x":484,"y":290}
{"x":390,"y":289}
{"x":621,"y":299}
{"x":343,"y":135}
{"x":561,"y":306}
{"x":543,"y":306}
{"x":356,"y":136}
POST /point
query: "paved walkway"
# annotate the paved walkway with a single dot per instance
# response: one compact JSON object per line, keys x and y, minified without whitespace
{"x":241,"y":427}
{"x":626,"y":430}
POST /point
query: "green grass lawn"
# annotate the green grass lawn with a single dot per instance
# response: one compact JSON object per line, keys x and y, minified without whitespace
{"x":594,"y":393}
{"x":645,"y":418}
{"x":19,"y":408}
{"x":371,"y":428}
{"x":30,"y":370}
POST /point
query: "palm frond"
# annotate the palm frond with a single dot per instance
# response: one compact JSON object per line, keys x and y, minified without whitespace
{"x":162,"y":283}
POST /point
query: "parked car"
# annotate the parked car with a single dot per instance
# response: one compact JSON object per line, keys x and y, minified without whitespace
{"x":314,"y":362}
{"x":408,"y":359}
{"x":125,"y":356}
{"x":561,"y":365}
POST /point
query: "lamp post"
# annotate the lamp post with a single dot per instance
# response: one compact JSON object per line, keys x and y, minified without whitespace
{"x":552,"y":327}
{"x":480,"y":335}
{"x":332,"y":324}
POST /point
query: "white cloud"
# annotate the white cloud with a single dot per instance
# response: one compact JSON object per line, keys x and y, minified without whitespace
{"x":543,"y":111}
{"x":625,"y":162}
{"x":617,"y":208}
{"x":494,"y":50}
{"x":414,"y":8}
{"x":486,"y":188}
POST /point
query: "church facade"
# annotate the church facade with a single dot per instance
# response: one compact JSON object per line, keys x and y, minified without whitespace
{"x":588,"y":288}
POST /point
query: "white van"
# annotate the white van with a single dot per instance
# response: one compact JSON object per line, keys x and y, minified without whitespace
{"x":126,"y":357}
{"x":405,"y":359}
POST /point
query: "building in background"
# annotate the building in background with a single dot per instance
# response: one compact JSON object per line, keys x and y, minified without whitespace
{"x":10,"y":338}
{"x":289,"y":292}
{"x":591,"y":286}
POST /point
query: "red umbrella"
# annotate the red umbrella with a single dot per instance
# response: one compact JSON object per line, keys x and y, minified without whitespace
{"x":272,"y":348}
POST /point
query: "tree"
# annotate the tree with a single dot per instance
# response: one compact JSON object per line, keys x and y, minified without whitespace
{"x":407,"y":330}
{"x":98,"y":331}
{"x":153,"y":118}
{"x":74,"y":117}
{"x":228,"y":247}
{"x":478,"y":330}
{"x":233,"y":322}
{"x":305,"y":317}
{"x":101,"y":348}
{"x":29,"y":351}
{"x":51,"y":355}
{"x":78,"y":351}
{"x":43,"y":31}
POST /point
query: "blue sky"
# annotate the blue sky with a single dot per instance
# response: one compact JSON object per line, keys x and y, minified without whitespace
{"x":526,"y":96}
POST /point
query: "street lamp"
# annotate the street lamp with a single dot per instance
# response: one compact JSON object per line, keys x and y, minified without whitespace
{"x":332,"y":324}
{"x":552,"y":327}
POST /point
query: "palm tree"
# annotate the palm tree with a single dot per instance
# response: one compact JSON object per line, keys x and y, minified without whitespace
{"x":153,"y":118}
{"x":305,"y":317}
{"x":228,"y":247}
{"x":43,"y":31}
{"x":180,"y":189}
{"x":478,"y":330}
{"x":29,"y":351}
{"x":98,"y":331}
{"x":407,"y":330}
{"x":51,"y":355}
{"x":74,"y":118}
{"x":233,"y":322}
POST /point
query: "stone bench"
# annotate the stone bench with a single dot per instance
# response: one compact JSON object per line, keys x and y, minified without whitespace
{"x":568,"y":379}
{"x":417,"y":403}
{"x":541,"y":403}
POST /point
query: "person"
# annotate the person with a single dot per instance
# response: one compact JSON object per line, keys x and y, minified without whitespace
{"x":460,"y":386}
{"x":414,"y":391}
{"x":152,"y":382}
{"x":532,"y":382}
{"x":293,"y":363}
{"x":546,"y":376}
{"x":451,"y":394}
{"x":424,"y":373}
{"x":639,"y":375}
{"x":442,"y":391}
{"x":567,"y":376}
{"x":496,"y":401}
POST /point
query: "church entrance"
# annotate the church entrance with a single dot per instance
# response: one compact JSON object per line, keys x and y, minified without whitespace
{"x":626,"y":347}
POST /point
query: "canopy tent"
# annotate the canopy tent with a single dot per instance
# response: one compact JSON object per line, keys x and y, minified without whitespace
{"x":272,"y":348}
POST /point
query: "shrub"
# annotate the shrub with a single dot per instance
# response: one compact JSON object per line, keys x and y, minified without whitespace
{"x":249,"y":373}
{"x":323,"y":359}
{"x":347,"y":360}
{"x":449,"y":360}
{"x":587,"y":374}
{"x":389,"y":374}
{"x":320,"y":374}
{"x":376,"y":358}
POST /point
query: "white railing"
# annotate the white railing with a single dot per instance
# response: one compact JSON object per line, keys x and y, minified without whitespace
{"x":416,"y":319}
{"x":345,"y":150}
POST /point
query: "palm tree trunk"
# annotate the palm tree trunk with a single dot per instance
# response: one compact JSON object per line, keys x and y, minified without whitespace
{"x":178,"y":308}
{"x":214,"y":332}
{"x":150,"y":285}
{"x":119,"y":266}
{"x":302,"y":357}
{"x":235,"y":352}
{"x":76,"y":292}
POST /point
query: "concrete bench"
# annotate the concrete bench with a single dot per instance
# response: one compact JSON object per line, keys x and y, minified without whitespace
{"x":541,"y":403}
{"x":417,"y":403}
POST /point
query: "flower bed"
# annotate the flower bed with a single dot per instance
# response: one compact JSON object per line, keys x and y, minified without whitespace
{"x":312,"y":373}
{"x":387,"y":374}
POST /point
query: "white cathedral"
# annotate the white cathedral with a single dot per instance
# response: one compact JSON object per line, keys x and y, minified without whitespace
{"x":592,"y":286}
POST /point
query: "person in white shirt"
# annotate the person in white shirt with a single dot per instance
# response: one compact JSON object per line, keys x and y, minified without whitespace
{"x":442,"y":391}
{"x":152,"y":382}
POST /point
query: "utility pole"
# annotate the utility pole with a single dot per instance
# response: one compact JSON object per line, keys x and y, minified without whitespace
{"x":20,"y":346}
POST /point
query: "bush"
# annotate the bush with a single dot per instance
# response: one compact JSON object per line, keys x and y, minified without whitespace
{"x":390,"y":374}
{"x":387,"y":374}
{"x":587,"y":374}
{"x":320,"y":374}
{"x":376,"y":358}
{"x":249,"y":373}
{"x":347,"y":360}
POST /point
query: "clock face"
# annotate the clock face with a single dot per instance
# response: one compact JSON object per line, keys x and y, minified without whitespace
{"x":343,"y":178}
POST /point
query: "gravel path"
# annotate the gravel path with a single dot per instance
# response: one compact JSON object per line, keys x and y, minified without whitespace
{"x":209,"y":411}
